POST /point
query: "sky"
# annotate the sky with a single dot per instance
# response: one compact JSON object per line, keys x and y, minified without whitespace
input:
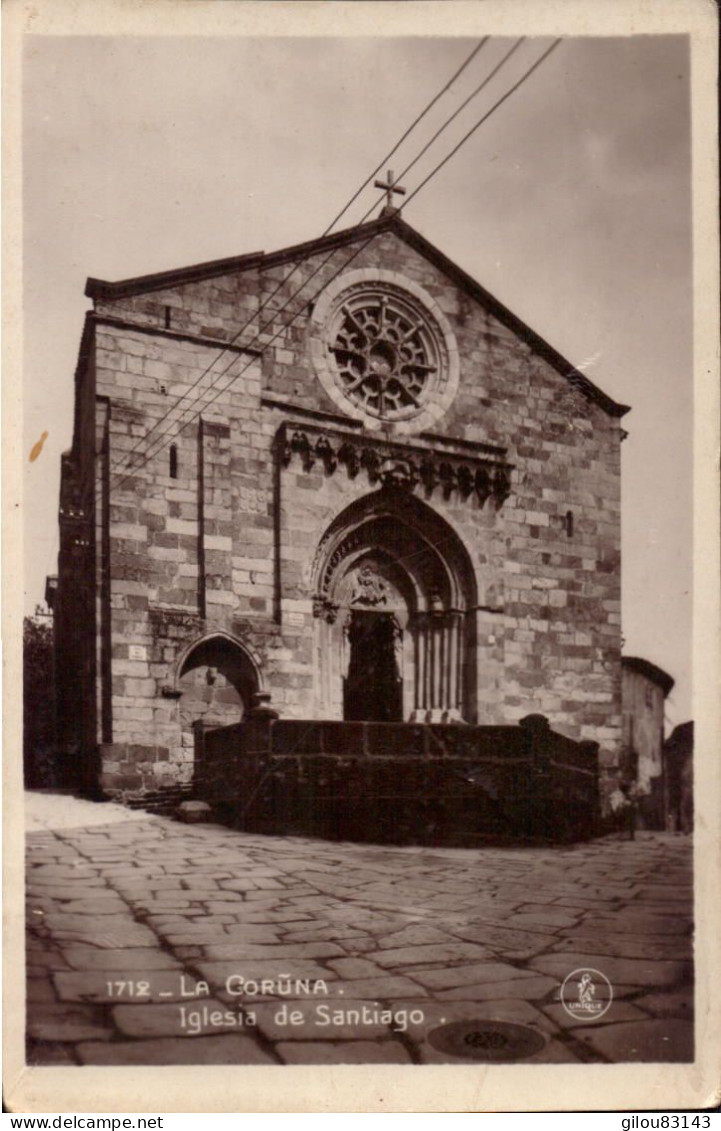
{"x":571,"y":204}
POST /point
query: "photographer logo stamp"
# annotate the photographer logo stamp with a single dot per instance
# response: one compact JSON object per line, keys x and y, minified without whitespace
{"x":586,"y":994}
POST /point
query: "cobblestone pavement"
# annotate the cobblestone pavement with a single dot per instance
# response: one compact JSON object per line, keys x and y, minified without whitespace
{"x":128,"y":916}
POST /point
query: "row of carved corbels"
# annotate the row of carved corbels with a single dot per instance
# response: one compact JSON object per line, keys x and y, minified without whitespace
{"x":401,"y":467}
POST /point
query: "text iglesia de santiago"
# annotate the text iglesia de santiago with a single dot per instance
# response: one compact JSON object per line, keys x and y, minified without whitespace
{"x":382,"y":527}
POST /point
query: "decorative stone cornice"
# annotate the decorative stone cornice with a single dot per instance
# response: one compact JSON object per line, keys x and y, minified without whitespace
{"x":400,"y":465}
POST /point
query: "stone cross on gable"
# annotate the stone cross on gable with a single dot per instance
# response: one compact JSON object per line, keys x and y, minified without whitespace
{"x":389,"y":188}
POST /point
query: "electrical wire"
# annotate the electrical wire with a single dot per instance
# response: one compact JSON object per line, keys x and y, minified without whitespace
{"x":526,"y":75}
{"x":174,"y":426}
{"x":457,"y":73}
{"x":462,"y":106}
{"x":485,"y":118}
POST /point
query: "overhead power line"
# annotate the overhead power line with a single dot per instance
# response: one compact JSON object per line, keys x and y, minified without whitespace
{"x":462,"y":107}
{"x":499,"y":102}
{"x":419,"y":118}
{"x":172,"y":426}
{"x":409,"y":131}
{"x":526,"y":75}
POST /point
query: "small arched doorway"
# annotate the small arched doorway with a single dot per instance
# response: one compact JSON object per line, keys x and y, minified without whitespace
{"x":217,"y":680}
{"x":395,"y":602}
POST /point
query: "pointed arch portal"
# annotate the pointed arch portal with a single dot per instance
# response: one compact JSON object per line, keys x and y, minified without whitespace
{"x":395,"y":599}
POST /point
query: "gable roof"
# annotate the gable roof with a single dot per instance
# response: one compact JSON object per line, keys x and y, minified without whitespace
{"x":392,"y":221}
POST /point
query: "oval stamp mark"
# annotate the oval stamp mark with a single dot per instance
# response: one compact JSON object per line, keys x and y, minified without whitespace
{"x":586,"y":994}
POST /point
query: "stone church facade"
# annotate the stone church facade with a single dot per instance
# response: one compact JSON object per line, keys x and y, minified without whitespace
{"x":390,"y":501}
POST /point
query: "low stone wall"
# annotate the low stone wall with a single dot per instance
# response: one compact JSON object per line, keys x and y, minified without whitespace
{"x":400,"y":783}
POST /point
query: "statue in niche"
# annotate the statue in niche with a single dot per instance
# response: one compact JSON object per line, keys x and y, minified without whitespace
{"x":369,"y":588}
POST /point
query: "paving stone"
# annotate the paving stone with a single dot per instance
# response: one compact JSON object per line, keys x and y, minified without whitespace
{"x":193,"y":918}
{"x":65,"y":922}
{"x":228,"y":902}
{"x":629,"y":946}
{"x":337,"y":933}
{"x":384,"y":988}
{"x":199,"y":1050}
{"x":39,"y":963}
{"x":279,"y":953}
{"x":511,"y":942}
{"x":577,"y":903}
{"x":39,"y":989}
{"x":109,"y":904}
{"x":636,"y":971}
{"x":551,"y":918}
{"x":308,"y":903}
{"x":628,"y":923}
{"x":48,"y":1055}
{"x":360,"y":945}
{"x":445,"y":978}
{"x":140,"y":886}
{"x":350,"y":968}
{"x":243,"y":884}
{"x":419,"y":955}
{"x":251,"y":933}
{"x":617,"y":1012}
{"x":66,"y":873}
{"x":531,"y":989}
{"x":676,"y":1003}
{"x":62,"y":1022}
{"x":129,"y":935}
{"x":201,"y":892}
{"x":609,"y":890}
{"x":343,"y":1052}
{"x":203,"y":937}
{"x":143,"y":959}
{"x":417,"y":935}
{"x":666,"y":895}
{"x":248,"y":913}
{"x":98,"y":893}
{"x":642,"y":1041}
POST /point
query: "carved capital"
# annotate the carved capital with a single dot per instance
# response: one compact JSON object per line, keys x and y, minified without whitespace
{"x":325,"y":609}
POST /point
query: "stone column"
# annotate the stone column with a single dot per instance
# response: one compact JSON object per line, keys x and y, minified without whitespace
{"x":419,"y":691}
{"x":453,"y":665}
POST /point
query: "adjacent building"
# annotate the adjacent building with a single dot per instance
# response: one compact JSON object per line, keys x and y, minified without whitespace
{"x":645,"y":689}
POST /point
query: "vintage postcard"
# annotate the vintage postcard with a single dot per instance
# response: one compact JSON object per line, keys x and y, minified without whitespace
{"x":361,"y":583}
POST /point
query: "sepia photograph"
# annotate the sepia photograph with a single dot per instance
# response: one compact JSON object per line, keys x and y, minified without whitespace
{"x":359,"y":693}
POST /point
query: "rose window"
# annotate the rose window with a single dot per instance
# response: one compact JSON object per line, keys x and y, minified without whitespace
{"x":385,"y":353}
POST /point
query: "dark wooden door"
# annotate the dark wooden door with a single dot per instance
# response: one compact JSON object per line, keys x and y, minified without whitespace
{"x":373,"y":689}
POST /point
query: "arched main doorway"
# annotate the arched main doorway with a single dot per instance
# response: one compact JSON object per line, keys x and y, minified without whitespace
{"x":395,"y":600}
{"x":216,"y":681}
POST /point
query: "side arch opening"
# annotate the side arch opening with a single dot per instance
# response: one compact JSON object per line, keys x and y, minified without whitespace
{"x":217,"y":680}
